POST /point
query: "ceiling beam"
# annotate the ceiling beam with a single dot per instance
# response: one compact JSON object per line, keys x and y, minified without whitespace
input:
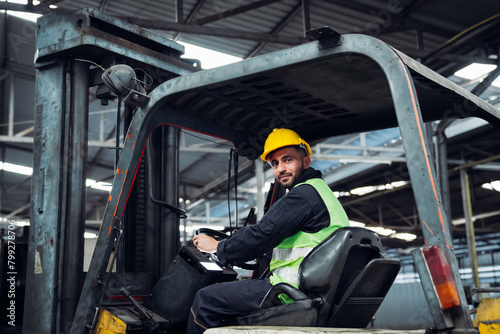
{"x":375,"y":194}
{"x":179,"y":11}
{"x":476,"y":164}
{"x":217,"y":32}
{"x":400,"y":215}
{"x":17,"y":185}
{"x":190,"y":17}
{"x":362,"y":215}
{"x":19,"y":210}
{"x":42,"y":8}
{"x":188,"y":170}
{"x":295,"y":11}
{"x":233,"y":12}
{"x":103,"y":5}
{"x":214,"y":186}
{"x":395,"y":21}
{"x":50,"y":2}
{"x":466,"y":36}
{"x":19,"y":7}
{"x":402,"y":19}
{"x":484,"y":84}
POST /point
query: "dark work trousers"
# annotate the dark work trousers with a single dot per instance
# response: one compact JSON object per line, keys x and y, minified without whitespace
{"x":219,"y":301}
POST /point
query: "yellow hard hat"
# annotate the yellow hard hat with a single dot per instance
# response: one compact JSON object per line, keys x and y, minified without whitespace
{"x":283,"y":137}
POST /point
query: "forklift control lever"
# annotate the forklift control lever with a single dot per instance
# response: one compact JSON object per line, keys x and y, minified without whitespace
{"x":150,"y":324}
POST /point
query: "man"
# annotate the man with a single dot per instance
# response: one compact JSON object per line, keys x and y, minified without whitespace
{"x":305,"y":216}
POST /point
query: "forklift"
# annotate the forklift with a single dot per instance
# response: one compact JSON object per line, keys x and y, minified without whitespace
{"x":314,"y":89}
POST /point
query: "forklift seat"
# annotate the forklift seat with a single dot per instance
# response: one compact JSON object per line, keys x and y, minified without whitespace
{"x":343,"y":281}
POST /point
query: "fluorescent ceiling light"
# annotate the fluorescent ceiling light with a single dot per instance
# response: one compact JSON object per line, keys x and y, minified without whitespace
{"x":392,"y":233}
{"x":15,"y":221}
{"x":192,"y":228}
{"x":493,"y":185}
{"x":381,"y":230}
{"x":104,"y":186}
{"x":27,"y":16}
{"x":18,"y":169}
{"x":404,"y":236}
{"x":90,"y":182}
{"x":24,"y":15}
{"x":369,"y":189}
{"x":476,"y":71}
{"x":341,"y":194}
{"x":363,"y":190}
{"x":386,"y":231}
{"x":89,"y":235}
{"x":28,"y":171}
{"x":496,"y":82}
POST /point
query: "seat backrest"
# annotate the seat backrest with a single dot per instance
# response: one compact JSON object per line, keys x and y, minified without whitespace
{"x":330,"y":268}
{"x":365,"y":295}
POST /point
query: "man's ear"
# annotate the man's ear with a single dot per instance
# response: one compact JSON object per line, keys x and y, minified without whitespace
{"x":306,"y":161}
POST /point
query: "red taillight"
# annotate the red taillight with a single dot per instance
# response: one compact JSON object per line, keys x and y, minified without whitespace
{"x":442,"y":276}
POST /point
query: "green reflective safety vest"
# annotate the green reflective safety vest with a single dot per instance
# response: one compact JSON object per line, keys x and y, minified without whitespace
{"x":288,"y":255}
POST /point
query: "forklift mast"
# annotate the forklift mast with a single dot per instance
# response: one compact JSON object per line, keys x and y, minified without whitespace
{"x":67,"y":46}
{"x":336,"y":85}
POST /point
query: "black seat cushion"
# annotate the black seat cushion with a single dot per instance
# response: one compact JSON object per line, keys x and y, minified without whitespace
{"x":300,"y":313}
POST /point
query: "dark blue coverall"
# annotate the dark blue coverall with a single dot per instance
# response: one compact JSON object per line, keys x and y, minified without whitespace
{"x":302,"y":209}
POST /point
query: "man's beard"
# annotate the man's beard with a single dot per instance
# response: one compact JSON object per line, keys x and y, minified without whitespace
{"x":291,"y":182}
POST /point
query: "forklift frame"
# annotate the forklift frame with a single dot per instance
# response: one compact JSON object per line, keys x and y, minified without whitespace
{"x":166,"y":106}
{"x":333,"y":86}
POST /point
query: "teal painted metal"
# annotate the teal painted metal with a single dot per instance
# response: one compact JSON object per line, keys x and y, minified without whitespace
{"x":360,"y":85}
{"x":65,"y":45}
{"x":48,"y":195}
{"x":318,"y":93}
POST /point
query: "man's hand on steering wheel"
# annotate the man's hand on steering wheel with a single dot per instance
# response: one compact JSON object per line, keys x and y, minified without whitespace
{"x":208,"y":244}
{"x":205,"y":243}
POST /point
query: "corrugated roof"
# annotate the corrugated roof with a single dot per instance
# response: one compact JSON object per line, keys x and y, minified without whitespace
{"x":390,"y":21}
{"x":437,"y":20}
{"x":20,"y":44}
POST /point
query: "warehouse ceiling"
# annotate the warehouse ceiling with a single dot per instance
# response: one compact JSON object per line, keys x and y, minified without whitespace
{"x":368,"y":169}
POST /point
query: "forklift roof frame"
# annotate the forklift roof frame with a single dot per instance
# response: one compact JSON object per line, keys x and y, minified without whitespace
{"x":319,"y":91}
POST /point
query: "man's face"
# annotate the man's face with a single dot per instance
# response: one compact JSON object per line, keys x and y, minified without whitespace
{"x":288,"y":163}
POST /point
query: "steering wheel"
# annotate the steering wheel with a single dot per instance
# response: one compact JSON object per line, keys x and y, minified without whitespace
{"x":218,"y":235}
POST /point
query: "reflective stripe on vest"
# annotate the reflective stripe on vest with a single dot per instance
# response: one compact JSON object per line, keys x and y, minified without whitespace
{"x":288,"y":255}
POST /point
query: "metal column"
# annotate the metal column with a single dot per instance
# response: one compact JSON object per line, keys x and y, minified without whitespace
{"x":58,"y":188}
{"x":442,"y":165}
{"x":74,"y":222}
{"x":55,"y":254}
{"x":164,"y":144}
{"x":11,"y":98}
{"x":469,"y":225}
{"x":259,"y":174}
{"x":170,"y":235}
{"x":42,"y":264}
{"x":434,"y":219}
